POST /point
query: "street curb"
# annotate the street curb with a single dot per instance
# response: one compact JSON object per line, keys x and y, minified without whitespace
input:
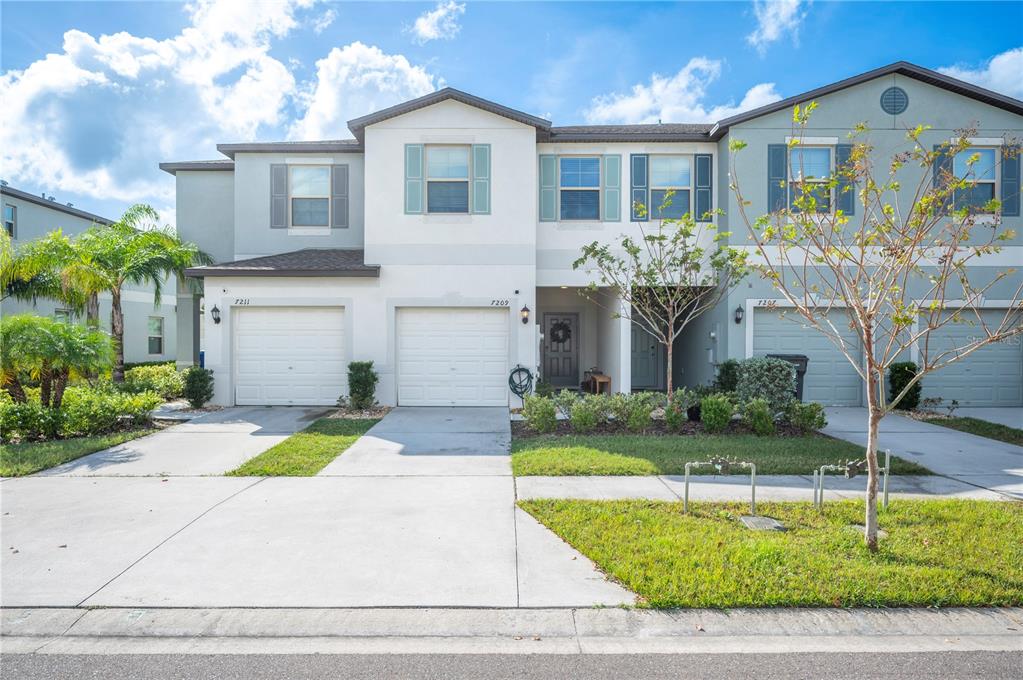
{"x":507,"y":631}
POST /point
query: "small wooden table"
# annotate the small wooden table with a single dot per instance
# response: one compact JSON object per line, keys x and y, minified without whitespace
{"x":598,"y":381}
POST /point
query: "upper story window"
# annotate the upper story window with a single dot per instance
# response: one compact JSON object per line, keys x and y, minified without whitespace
{"x":10,"y":219}
{"x":156,"y":335}
{"x":670,"y":174}
{"x":810,"y":169}
{"x":978,"y":166}
{"x":310,"y":195}
{"x":447,"y":179}
{"x":63,"y":315}
{"x":579,"y":187}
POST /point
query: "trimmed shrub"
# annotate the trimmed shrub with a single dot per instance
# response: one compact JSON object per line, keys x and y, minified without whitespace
{"x":164,"y":379}
{"x":95,"y":411}
{"x":198,"y":386}
{"x":29,"y":420}
{"x":757,"y":414}
{"x":716,"y":412}
{"x":564,"y":401}
{"x":727,"y":379}
{"x":543,"y":389}
{"x":766,"y":378}
{"x":641,"y":407}
{"x":540,"y":413}
{"x":807,"y":417}
{"x":587,"y":413}
{"x":362,"y":384}
{"x":676,"y":412}
{"x":899,"y":375}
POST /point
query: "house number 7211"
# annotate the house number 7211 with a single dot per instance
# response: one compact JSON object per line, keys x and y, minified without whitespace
{"x":241,"y":301}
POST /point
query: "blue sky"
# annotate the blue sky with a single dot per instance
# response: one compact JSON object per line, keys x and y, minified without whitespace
{"x":98,"y":93}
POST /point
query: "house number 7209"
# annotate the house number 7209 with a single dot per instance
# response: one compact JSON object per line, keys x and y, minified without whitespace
{"x":498,"y":303}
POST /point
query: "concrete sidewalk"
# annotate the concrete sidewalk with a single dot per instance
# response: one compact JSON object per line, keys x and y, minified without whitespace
{"x":982,"y":462}
{"x":737,"y":488}
{"x":211,"y":444}
{"x":497,"y":631}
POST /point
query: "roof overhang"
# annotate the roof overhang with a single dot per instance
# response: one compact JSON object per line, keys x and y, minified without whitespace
{"x":181,"y":166}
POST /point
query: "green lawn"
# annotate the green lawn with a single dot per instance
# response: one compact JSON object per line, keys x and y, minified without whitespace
{"x":17,"y":460}
{"x":305,"y":453}
{"x":937,"y":553}
{"x":625,"y":454}
{"x":982,"y":428}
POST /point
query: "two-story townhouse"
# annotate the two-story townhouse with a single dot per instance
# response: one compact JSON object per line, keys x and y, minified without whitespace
{"x":149,"y":329}
{"x":439,"y":241}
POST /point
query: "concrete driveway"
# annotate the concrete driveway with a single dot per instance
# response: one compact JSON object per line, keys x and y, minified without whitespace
{"x":211,"y":444}
{"x":982,"y":462}
{"x":427,"y":518}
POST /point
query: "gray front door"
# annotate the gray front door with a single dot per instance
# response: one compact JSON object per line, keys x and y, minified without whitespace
{"x":561,"y":349}
{"x":647,"y":360}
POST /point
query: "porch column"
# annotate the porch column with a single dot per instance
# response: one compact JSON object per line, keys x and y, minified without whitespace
{"x":623,"y":381}
{"x":188,"y":307}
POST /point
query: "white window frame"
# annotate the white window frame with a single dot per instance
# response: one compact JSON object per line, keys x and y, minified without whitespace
{"x":426,"y":179}
{"x":13,"y":230}
{"x":292,"y":196}
{"x":61,"y":314}
{"x":996,"y":181}
{"x":599,"y":188}
{"x":150,"y":336}
{"x":797,"y":181}
{"x":656,"y":187}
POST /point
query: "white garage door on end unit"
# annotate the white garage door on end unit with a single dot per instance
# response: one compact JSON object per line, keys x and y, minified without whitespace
{"x":452,"y":356}
{"x":990,"y":376}
{"x":289,"y":356}
{"x":830,"y":378}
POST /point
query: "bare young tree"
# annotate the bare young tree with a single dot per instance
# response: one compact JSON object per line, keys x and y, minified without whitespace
{"x":896,"y":273}
{"x":674,"y":271}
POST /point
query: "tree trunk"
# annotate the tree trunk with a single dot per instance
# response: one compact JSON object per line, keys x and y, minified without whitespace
{"x":92,"y":311}
{"x":59,"y":385}
{"x":16,"y":390}
{"x":874,"y":416}
{"x":45,"y":384}
{"x":117,"y":331}
{"x":669,"y":381}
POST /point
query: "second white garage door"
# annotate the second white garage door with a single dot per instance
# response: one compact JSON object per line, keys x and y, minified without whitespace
{"x":289,"y":356}
{"x":452,"y":356}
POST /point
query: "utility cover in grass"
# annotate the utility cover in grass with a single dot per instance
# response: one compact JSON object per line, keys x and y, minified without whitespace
{"x":761,"y":523}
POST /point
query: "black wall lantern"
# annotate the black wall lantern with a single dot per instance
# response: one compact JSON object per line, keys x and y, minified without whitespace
{"x":739,"y":313}
{"x":215,"y":313}
{"x":524,"y":313}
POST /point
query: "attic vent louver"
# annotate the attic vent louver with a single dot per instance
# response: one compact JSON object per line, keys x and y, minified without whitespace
{"x":894,"y":101}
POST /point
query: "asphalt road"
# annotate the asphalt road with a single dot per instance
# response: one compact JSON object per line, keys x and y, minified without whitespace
{"x":945,"y":665}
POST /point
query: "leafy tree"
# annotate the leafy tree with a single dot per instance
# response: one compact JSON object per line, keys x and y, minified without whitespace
{"x":673,"y":271}
{"x":895,"y":273}
{"x":51,"y":352}
{"x":31,"y":271}
{"x":133,"y":250}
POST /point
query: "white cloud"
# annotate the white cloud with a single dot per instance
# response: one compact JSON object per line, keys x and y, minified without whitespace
{"x":676,"y":99}
{"x":440,"y":23}
{"x":323,"y":22}
{"x":355,"y":80}
{"x":775,"y":18}
{"x":1002,"y":73}
{"x":95,"y":118}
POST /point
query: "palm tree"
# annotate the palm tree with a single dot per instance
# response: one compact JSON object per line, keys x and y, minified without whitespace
{"x":133,"y":250}
{"x":50,"y":352}
{"x":32,"y":271}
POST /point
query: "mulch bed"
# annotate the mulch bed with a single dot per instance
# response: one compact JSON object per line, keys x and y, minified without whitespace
{"x":363,"y":414}
{"x":520,"y":430}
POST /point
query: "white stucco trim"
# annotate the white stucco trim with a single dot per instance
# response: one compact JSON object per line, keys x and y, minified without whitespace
{"x":813,"y":141}
{"x":1007,"y":256}
{"x":304,"y":160}
{"x":980,"y":141}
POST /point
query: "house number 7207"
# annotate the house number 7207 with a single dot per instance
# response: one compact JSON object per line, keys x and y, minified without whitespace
{"x":498,"y":303}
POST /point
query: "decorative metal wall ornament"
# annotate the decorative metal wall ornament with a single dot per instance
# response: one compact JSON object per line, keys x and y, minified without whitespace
{"x":561,"y":332}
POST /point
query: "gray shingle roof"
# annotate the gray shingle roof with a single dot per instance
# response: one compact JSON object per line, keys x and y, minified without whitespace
{"x":305,"y":262}
{"x":320,"y":146}
{"x":53,"y":205}
{"x":630,"y":133}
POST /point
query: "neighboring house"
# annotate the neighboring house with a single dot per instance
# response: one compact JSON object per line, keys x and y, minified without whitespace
{"x":149,"y":331}
{"x":439,"y":244}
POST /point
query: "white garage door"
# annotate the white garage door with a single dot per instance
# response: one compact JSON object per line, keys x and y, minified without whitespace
{"x":289,"y":355}
{"x":830,"y":378}
{"x":451,"y":356}
{"x":991,"y":376}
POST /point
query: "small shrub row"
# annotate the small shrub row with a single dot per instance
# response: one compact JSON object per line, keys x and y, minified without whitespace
{"x":84,"y":411}
{"x":587,"y":412}
{"x":163,"y":378}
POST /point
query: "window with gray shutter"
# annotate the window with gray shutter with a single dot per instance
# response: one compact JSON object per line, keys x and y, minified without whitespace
{"x":777,"y":177}
{"x":704,"y":187}
{"x":639,"y":197}
{"x":339,"y":197}
{"x":278,"y":196}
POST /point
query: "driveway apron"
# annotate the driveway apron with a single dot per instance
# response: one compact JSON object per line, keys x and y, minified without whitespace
{"x":208,"y":445}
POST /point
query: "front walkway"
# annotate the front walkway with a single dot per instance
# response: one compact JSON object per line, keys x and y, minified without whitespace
{"x":981,"y":462}
{"x":211,"y":444}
